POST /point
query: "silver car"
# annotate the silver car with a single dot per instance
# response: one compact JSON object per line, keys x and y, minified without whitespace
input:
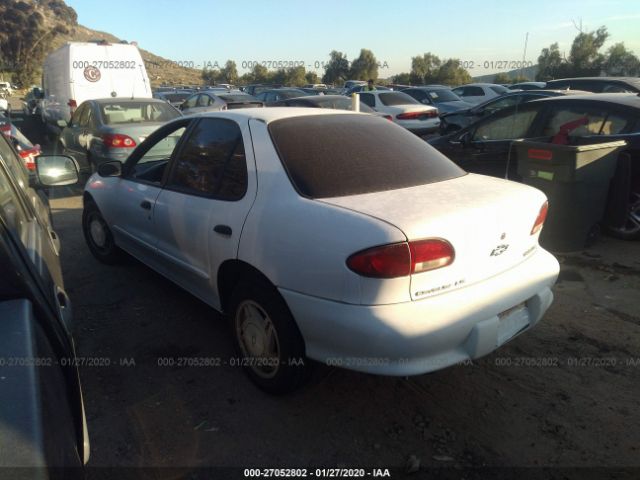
{"x":109,"y":129}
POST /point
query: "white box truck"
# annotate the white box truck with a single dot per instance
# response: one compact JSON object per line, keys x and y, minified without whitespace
{"x":80,"y":71}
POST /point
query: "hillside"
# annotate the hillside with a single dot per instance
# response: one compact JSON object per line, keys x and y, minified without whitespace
{"x":160,"y":70}
{"x":529,"y":72}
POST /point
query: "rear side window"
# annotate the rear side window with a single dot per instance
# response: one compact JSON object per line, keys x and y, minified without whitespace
{"x":368,"y":99}
{"x":473,"y":92}
{"x":338,"y":155}
{"x":212,"y":162}
{"x":499,"y":89}
{"x":397,"y":98}
{"x":584,"y":121}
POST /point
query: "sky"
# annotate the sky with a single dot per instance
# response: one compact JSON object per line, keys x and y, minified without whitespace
{"x":480,"y":33}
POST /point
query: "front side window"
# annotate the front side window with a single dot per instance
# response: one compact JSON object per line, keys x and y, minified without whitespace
{"x":368,"y":99}
{"x":212,"y":162}
{"x":11,"y":209}
{"x":514,"y":125}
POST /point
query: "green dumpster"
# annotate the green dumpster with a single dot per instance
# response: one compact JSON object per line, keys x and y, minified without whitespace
{"x":576,"y":180}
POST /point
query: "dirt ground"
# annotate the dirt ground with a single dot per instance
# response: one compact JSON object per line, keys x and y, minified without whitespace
{"x":565,"y":395}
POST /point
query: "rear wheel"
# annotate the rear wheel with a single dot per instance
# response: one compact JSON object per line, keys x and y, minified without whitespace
{"x":270,"y":346}
{"x":98,"y":235}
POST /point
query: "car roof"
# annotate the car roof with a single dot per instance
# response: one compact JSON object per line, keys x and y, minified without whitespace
{"x":631,"y":80}
{"x":480,"y":85}
{"x":628,"y":99}
{"x":268,"y":115}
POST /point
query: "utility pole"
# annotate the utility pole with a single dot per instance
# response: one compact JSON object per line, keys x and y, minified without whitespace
{"x":524,"y":54}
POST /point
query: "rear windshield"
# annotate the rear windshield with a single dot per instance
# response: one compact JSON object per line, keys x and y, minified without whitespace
{"x":397,"y":98}
{"x":238,"y":98}
{"x":341,"y":103}
{"x":443,"y":96}
{"x":338,"y":155}
{"x":499,"y":89}
{"x":176,"y":97}
{"x":116,"y":113}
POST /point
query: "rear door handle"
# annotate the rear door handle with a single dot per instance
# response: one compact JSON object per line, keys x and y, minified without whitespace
{"x":223,"y":230}
{"x":146,"y":205}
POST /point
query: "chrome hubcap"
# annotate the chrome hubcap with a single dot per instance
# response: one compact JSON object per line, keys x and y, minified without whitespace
{"x":258,"y":339}
{"x":98,"y":235}
{"x":633,"y":214}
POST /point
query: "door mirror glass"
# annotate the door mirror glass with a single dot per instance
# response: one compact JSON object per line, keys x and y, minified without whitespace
{"x":56,"y":170}
{"x":110,"y":169}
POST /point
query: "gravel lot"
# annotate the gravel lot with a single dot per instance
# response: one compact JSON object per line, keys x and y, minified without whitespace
{"x":564,"y":395}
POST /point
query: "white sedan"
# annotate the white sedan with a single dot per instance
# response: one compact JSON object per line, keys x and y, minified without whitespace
{"x":328,"y":235}
{"x":476,"y":93}
{"x":404,"y":110}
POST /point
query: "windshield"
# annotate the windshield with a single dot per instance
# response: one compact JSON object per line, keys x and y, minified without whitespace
{"x":117,"y":113}
{"x":346,"y":154}
{"x":397,"y":98}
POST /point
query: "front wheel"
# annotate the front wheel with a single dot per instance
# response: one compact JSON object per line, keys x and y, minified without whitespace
{"x":270,"y":347}
{"x":98,"y":235}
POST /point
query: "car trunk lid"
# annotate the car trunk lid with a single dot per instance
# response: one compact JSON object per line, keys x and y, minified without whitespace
{"x":488,"y":222}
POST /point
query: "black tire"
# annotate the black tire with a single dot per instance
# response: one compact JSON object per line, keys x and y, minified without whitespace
{"x":102,"y":246}
{"x":631,"y":228}
{"x":276,"y":374}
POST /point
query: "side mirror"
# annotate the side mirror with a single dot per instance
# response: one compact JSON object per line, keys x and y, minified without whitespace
{"x":56,"y":170}
{"x":110,"y":169}
{"x":62,"y":123}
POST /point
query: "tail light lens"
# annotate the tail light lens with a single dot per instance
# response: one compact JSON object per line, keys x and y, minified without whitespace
{"x":402,"y":259}
{"x":6,"y":129}
{"x":417,"y":115}
{"x":542,"y":216}
{"x":28,"y":156}
{"x":117,"y":140}
{"x":72,"y":103}
{"x":388,"y":117}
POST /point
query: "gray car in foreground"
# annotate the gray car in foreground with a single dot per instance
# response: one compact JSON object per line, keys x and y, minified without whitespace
{"x":43,"y":429}
{"x":110,"y":128}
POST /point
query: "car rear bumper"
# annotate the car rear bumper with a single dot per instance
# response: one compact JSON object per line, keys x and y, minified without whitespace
{"x":420,"y":127}
{"x":422,"y":336}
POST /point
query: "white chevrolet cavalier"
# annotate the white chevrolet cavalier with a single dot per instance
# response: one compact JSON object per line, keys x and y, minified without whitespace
{"x":328,"y":235}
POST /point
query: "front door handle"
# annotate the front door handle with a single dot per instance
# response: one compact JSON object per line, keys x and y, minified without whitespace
{"x":146,"y":205}
{"x":223,"y":230}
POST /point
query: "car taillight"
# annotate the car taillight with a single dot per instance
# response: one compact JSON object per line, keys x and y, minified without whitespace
{"x":416,"y":115}
{"x":118,"y":140}
{"x":402,"y":259}
{"x":6,"y":129}
{"x":28,"y":156}
{"x":430,"y":254}
{"x":388,"y":117}
{"x":542,"y":216}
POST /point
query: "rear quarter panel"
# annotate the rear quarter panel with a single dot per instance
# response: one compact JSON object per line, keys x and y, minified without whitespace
{"x":302,"y":244}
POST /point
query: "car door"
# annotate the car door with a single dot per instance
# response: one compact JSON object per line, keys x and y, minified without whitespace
{"x":484,"y":147}
{"x":189,"y":104}
{"x":200,"y":213}
{"x":129,"y":209}
{"x":71,"y":134}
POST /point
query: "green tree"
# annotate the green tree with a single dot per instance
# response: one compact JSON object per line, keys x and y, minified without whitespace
{"x":501,"y":78}
{"x":519,"y":79}
{"x":425,"y":68}
{"x":621,"y":62}
{"x":451,"y":73}
{"x":311,"y":77}
{"x":365,"y":66}
{"x":585,"y":58}
{"x":402,"y":79}
{"x":230,"y":72}
{"x":27,"y":29}
{"x":211,"y":76}
{"x":259,"y":74}
{"x":296,"y":76}
{"x":550,"y":63}
{"x":337,"y":69}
